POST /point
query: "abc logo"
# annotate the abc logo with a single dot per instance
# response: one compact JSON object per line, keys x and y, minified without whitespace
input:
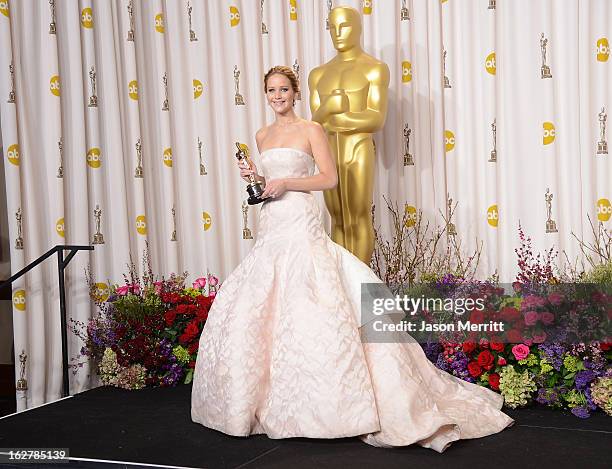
{"x":603,"y":49}
{"x":549,"y":133}
{"x":604,"y":210}
{"x":99,"y":292}
{"x":141,"y":224}
{"x":449,"y":140}
{"x":167,"y":157}
{"x":59,"y":227}
{"x":94,"y":158}
{"x":4,"y":7}
{"x":87,"y":18}
{"x":159,"y":23}
{"x":234,"y":16}
{"x":19,"y":300}
{"x":492,"y":216}
{"x":207,"y":220}
{"x":406,"y":72}
{"x":367,"y":7}
{"x":293,"y":10}
{"x":198,"y":88}
{"x":411,"y":215}
{"x":13,"y":154}
{"x":133,"y":90}
{"x":490,"y":64}
{"x":54,"y":85}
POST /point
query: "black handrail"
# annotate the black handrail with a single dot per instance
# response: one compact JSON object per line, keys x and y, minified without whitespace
{"x":61,"y":266}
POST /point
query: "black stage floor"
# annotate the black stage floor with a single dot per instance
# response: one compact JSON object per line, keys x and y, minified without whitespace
{"x":153,"y":426}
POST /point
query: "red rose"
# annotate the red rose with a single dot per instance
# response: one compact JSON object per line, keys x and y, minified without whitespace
{"x":474,"y":369}
{"x":469,"y":347}
{"x":192,"y":364}
{"x":494,"y":381}
{"x":605,"y":346}
{"x":486,"y":359}
{"x":510,"y":314}
{"x":170,"y":317}
{"x":192,"y":329}
{"x":496,"y":345}
{"x":193,"y":348}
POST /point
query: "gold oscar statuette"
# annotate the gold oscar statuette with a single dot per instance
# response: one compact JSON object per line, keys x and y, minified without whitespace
{"x":98,"y":238}
{"x":404,"y":13}
{"x":138,"y":172}
{"x":451,"y":230}
{"x":602,"y":145}
{"x":545,"y":69}
{"x":264,"y":28}
{"x":446,"y":80}
{"x":11,"y":97}
{"x":19,"y":239}
{"x":173,"y":236}
{"x":408,"y":158}
{"x":60,"y":169}
{"x":493,"y":158}
{"x":238,"y":98}
{"x":93,"y":99}
{"x":52,"y":26}
{"x":202,"y":167}
{"x":192,"y":34}
{"x":348,"y":96}
{"x":551,"y":226}
{"x":165,"y":106}
{"x":22,"y":382}
{"x":130,"y":9}
{"x":296,"y":70}
{"x":254,"y":188}
{"x":246,"y":232}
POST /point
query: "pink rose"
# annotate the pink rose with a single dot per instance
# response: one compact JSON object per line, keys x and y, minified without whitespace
{"x":213,"y":281}
{"x":555,"y":299}
{"x":501,"y":361}
{"x":539,"y":338}
{"x":199,"y":283}
{"x":134,"y":288}
{"x":122,"y":291}
{"x":532,"y":301}
{"x":158,"y":287}
{"x":520,"y":351}
{"x":528,"y":341}
{"x":547,"y":317}
{"x":531,"y":317}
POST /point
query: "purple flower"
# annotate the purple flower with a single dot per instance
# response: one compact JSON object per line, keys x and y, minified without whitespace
{"x":583,"y":379}
{"x":581,"y":411}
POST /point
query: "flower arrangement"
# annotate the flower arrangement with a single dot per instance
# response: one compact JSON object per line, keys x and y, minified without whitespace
{"x":146,"y":332}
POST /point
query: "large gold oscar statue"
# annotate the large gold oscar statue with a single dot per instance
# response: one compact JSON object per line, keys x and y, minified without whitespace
{"x":348,"y":96}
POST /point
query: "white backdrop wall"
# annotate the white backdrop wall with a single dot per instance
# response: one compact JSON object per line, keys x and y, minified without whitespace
{"x":546,"y":131}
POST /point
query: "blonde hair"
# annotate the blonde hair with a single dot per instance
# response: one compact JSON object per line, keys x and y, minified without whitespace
{"x":282,"y":70}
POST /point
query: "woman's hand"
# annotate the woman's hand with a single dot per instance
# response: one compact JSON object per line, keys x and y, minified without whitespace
{"x":274,"y":189}
{"x":245,"y":171}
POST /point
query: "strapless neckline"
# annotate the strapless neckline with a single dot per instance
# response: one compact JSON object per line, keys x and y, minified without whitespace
{"x":286,"y":149}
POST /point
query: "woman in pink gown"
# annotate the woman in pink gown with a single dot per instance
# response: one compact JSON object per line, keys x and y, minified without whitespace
{"x":281,"y":351}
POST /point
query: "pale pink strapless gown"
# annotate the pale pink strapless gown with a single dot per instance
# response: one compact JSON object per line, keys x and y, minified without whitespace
{"x":281,"y":353}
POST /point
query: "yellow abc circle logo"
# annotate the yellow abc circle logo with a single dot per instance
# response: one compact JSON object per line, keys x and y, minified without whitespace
{"x":159,"y":23}
{"x":492,"y":215}
{"x":94,"y":158}
{"x":449,"y":140}
{"x":99,"y":292}
{"x":406,"y":71}
{"x":167,"y":157}
{"x":87,"y":18}
{"x":491,"y":64}
{"x":367,"y":7}
{"x":207,"y":220}
{"x":411,"y":215}
{"x":141,"y":225}
{"x":549,"y":133}
{"x":198,"y":88}
{"x":19,"y":300}
{"x":59,"y":227}
{"x":4,"y":7}
{"x":12,"y":153}
{"x":234,"y":16}
{"x":604,"y":210}
{"x":293,"y":10}
{"x":133,"y":90}
{"x":54,"y":85}
{"x":603,"y":49}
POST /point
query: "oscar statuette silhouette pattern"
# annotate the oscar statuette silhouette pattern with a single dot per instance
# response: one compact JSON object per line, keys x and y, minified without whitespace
{"x":281,"y":352}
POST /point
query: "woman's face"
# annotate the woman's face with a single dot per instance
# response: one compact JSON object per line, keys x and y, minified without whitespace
{"x":279,"y":93}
